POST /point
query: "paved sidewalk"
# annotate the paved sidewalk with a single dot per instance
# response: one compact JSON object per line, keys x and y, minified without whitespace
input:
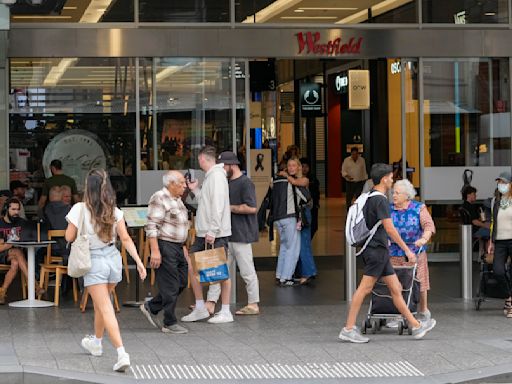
{"x":291,"y":342}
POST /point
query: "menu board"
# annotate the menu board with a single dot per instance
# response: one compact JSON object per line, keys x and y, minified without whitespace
{"x":135,"y":216}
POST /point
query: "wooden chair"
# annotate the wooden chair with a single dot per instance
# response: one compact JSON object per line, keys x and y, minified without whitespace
{"x":85,"y":299}
{"x":5,"y":268}
{"x":51,"y":264}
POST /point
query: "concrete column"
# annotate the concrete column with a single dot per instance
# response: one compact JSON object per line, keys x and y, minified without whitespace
{"x":4,"y":112}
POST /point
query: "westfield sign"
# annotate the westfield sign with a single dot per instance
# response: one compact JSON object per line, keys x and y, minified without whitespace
{"x":309,"y":43}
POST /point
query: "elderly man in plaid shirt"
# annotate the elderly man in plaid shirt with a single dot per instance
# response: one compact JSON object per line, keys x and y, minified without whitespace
{"x":167,"y":230}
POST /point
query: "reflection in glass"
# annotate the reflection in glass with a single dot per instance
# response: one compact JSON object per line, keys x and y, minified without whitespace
{"x":70,"y":11}
{"x":184,"y":11}
{"x":467,"y":117}
{"x":325,"y":11}
{"x":81,"y":111}
{"x":465,"y":11}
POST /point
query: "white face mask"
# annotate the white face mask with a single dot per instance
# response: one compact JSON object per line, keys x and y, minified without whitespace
{"x":503,"y":188}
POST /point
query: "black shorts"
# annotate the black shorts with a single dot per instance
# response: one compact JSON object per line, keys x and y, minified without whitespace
{"x":3,"y":257}
{"x":376,"y":262}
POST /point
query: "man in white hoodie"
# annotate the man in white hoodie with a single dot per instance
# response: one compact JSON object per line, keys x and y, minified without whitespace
{"x":213,"y":226}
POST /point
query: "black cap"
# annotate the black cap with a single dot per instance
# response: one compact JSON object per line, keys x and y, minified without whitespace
{"x":17,"y":184}
{"x":228,"y":157}
{"x":5,"y":192}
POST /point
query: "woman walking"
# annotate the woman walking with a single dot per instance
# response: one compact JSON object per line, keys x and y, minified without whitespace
{"x":102,"y":220}
{"x":501,"y":237}
{"x":415,"y":226}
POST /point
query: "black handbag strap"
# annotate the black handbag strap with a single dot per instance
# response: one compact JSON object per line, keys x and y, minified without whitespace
{"x":296,"y":203}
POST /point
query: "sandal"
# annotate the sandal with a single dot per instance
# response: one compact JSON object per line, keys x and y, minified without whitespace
{"x":246,"y":311}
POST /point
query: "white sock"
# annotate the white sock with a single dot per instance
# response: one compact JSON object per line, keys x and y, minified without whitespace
{"x":225,"y":308}
{"x":97,"y":341}
{"x":200,"y":304}
{"x":120,"y":351}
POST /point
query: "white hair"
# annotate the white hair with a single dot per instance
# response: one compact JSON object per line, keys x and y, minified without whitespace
{"x":168,"y":178}
{"x":407,"y":188}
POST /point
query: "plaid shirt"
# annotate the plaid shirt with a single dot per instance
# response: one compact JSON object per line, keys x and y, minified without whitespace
{"x":167,"y":217}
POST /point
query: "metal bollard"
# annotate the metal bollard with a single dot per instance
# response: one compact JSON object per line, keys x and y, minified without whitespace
{"x":350,"y":271}
{"x":232,"y":274}
{"x":466,"y":261}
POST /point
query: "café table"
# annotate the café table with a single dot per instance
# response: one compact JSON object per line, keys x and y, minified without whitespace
{"x":31,"y":246}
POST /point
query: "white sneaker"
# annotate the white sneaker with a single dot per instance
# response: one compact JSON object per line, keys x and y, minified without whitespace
{"x":90,"y":346}
{"x":393,"y":323}
{"x":221,"y":317}
{"x":123,"y":362}
{"x":196,"y":315}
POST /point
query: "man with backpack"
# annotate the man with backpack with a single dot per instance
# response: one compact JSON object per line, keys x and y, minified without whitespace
{"x":371,"y":233}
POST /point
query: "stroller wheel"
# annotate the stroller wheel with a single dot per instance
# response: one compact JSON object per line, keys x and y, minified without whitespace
{"x":477,"y":303}
{"x":400,"y":328}
{"x":375,"y":324}
{"x":363,"y":327}
{"x":409,"y":331}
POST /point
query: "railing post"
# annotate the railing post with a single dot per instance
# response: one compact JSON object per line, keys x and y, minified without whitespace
{"x":350,"y":271}
{"x":466,"y":261}
{"x":232,"y":274}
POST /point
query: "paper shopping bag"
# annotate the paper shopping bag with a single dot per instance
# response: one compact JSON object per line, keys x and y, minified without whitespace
{"x":210,"y":266}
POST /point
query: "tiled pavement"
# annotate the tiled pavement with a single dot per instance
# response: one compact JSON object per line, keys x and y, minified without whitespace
{"x":465,"y":344}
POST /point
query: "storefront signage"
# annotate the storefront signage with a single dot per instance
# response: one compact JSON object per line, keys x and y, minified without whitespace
{"x":460,"y":17}
{"x":79,"y":150}
{"x":310,"y":99}
{"x":309,"y":43}
{"x":359,"y":89}
{"x":341,"y":83}
{"x":395,"y":68}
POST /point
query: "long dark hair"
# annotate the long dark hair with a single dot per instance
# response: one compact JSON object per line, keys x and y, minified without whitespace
{"x":100,"y":199}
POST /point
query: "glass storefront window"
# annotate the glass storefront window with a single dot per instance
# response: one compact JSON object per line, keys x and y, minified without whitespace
{"x":213,"y":11}
{"x":325,"y":11}
{"x":69,"y":11}
{"x":193,"y":109}
{"x":78,"y":110}
{"x":465,"y":11}
{"x":466,"y":112}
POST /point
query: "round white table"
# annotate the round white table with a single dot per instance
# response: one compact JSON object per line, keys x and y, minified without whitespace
{"x":31,"y":302}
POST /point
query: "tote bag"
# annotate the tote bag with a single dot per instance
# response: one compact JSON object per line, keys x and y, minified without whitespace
{"x":79,"y":262}
{"x":210,"y":265}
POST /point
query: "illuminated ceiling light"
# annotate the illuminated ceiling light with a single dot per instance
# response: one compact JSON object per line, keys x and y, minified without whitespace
{"x":27,"y":17}
{"x":329,"y":8}
{"x":70,"y":8}
{"x":309,"y":17}
{"x":357,"y":17}
{"x":168,"y":71}
{"x":387,"y":5}
{"x":299,"y":10}
{"x":95,"y":10}
{"x":490,"y":13}
{"x":271,"y":10}
{"x":58,"y":71}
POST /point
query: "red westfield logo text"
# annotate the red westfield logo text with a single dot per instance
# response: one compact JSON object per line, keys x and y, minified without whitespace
{"x":309,"y":41}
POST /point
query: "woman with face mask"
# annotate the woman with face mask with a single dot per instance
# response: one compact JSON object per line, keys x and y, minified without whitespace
{"x":501,"y":237}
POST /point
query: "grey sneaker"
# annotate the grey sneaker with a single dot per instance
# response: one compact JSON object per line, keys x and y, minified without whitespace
{"x":175,"y":328}
{"x":424,"y":315}
{"x":152,"y":318}
{"x":425,"y":326}
{"x":353,"y":335}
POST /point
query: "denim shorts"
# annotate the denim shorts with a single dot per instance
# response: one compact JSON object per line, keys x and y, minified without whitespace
{"x":106,"y":267}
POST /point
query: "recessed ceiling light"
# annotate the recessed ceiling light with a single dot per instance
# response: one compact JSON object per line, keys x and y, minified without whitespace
{"x":328,"y":9}
{"x":309,"y":17}
{"x":298,"y":10}
{"x":490,"y":13}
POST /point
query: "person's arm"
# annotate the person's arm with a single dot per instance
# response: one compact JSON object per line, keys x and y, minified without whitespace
{"x":3,"y":246}
{"x":155,"y":218}
{"x":396,"y":238}
{"x":480,"y":223}
{"x":71,"y":232}
{"x":427,"y":225}
{"x":299,"y":181}
{"x":344,"y":171}
{"x":42,"y":201}
{"x":127,"y":241}
{"x":243,"y":209}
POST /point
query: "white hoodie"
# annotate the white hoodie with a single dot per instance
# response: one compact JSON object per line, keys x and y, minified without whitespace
{"x":213,"y":216}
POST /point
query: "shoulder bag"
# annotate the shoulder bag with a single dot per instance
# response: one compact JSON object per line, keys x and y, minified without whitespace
{"x":79,"y":262}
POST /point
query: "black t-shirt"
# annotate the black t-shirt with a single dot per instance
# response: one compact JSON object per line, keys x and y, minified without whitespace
{"x":244,"y":228}
{"x":472,"y":209}
{"x":375,"y":209}
{"x":8,"y":228}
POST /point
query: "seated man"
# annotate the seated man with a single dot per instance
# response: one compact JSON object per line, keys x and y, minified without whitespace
{"x":480,"y":227}
{"x":10,"y":229}
{"x":55,"y":213}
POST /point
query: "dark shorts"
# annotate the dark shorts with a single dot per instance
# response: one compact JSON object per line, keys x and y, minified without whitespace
{"x":3,"y":257}
{"x":376,"y":262}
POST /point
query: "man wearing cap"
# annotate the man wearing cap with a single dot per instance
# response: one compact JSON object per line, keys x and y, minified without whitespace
{"x":18,"y":189}
{"x":213,"y":226}
{"x":58,"y":179}
{"x":376,"y":259}
{"x":501,"y":237}
{"x":244,"y":231}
